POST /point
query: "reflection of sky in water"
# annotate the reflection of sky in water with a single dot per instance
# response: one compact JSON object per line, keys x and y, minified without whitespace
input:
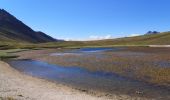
{"x":162,"y":64}
{"x":84,"y":51}
{"x":64,"y":54}
{"x":88,"y":50}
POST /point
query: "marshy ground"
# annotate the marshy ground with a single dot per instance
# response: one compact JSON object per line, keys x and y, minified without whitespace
{"x":150,"y":65}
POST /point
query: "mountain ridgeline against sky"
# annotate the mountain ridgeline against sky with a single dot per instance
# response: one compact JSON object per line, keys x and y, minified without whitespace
{"x":12,"y":29}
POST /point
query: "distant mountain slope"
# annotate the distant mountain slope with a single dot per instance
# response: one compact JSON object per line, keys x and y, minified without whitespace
{"x":152,"y":39}
{"x":12,"y":29}
{"x":143,"y":40}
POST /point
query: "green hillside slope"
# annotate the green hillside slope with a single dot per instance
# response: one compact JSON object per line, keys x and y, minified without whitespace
{"x":153,"y":39}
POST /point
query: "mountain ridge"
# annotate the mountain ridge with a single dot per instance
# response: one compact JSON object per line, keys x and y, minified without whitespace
{"x":13,"y":29}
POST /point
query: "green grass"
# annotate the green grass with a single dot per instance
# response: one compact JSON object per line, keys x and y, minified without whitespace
{"x":5,"y":54}
{"x":144,"y":40}
{"x":7,"y":98}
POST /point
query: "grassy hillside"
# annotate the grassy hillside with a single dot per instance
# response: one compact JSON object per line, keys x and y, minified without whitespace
{"x":144,"y":40}
{"x":153,"y":39}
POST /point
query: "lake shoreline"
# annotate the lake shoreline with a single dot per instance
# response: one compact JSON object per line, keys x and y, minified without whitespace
{"x":15,"y":85}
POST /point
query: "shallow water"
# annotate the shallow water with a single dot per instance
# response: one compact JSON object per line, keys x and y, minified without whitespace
{"x":162,"y":64}
{"x":82,"y":51}
{"x":88,"y":50}
{"x":86,"y":80}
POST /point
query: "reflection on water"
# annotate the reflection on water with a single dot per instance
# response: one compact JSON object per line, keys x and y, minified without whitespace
{"x":87,"y":80}
{"x":88,"y":50}
{"x":64,"y":54}
{"x":82,"y":51}
{"x":162,"y":64}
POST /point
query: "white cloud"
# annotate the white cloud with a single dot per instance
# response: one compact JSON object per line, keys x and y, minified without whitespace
{"x":133,"y":35}
{"x":67,"y":39}
{"x":96,"y":37}
{"x":99,"y":37}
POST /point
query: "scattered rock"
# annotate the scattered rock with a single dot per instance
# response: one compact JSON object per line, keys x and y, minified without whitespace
{"x":20,"y":95}
{"x":139,"y":92}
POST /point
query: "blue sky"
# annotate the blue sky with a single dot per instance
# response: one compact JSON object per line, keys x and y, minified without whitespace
{"x":91,"y":19}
